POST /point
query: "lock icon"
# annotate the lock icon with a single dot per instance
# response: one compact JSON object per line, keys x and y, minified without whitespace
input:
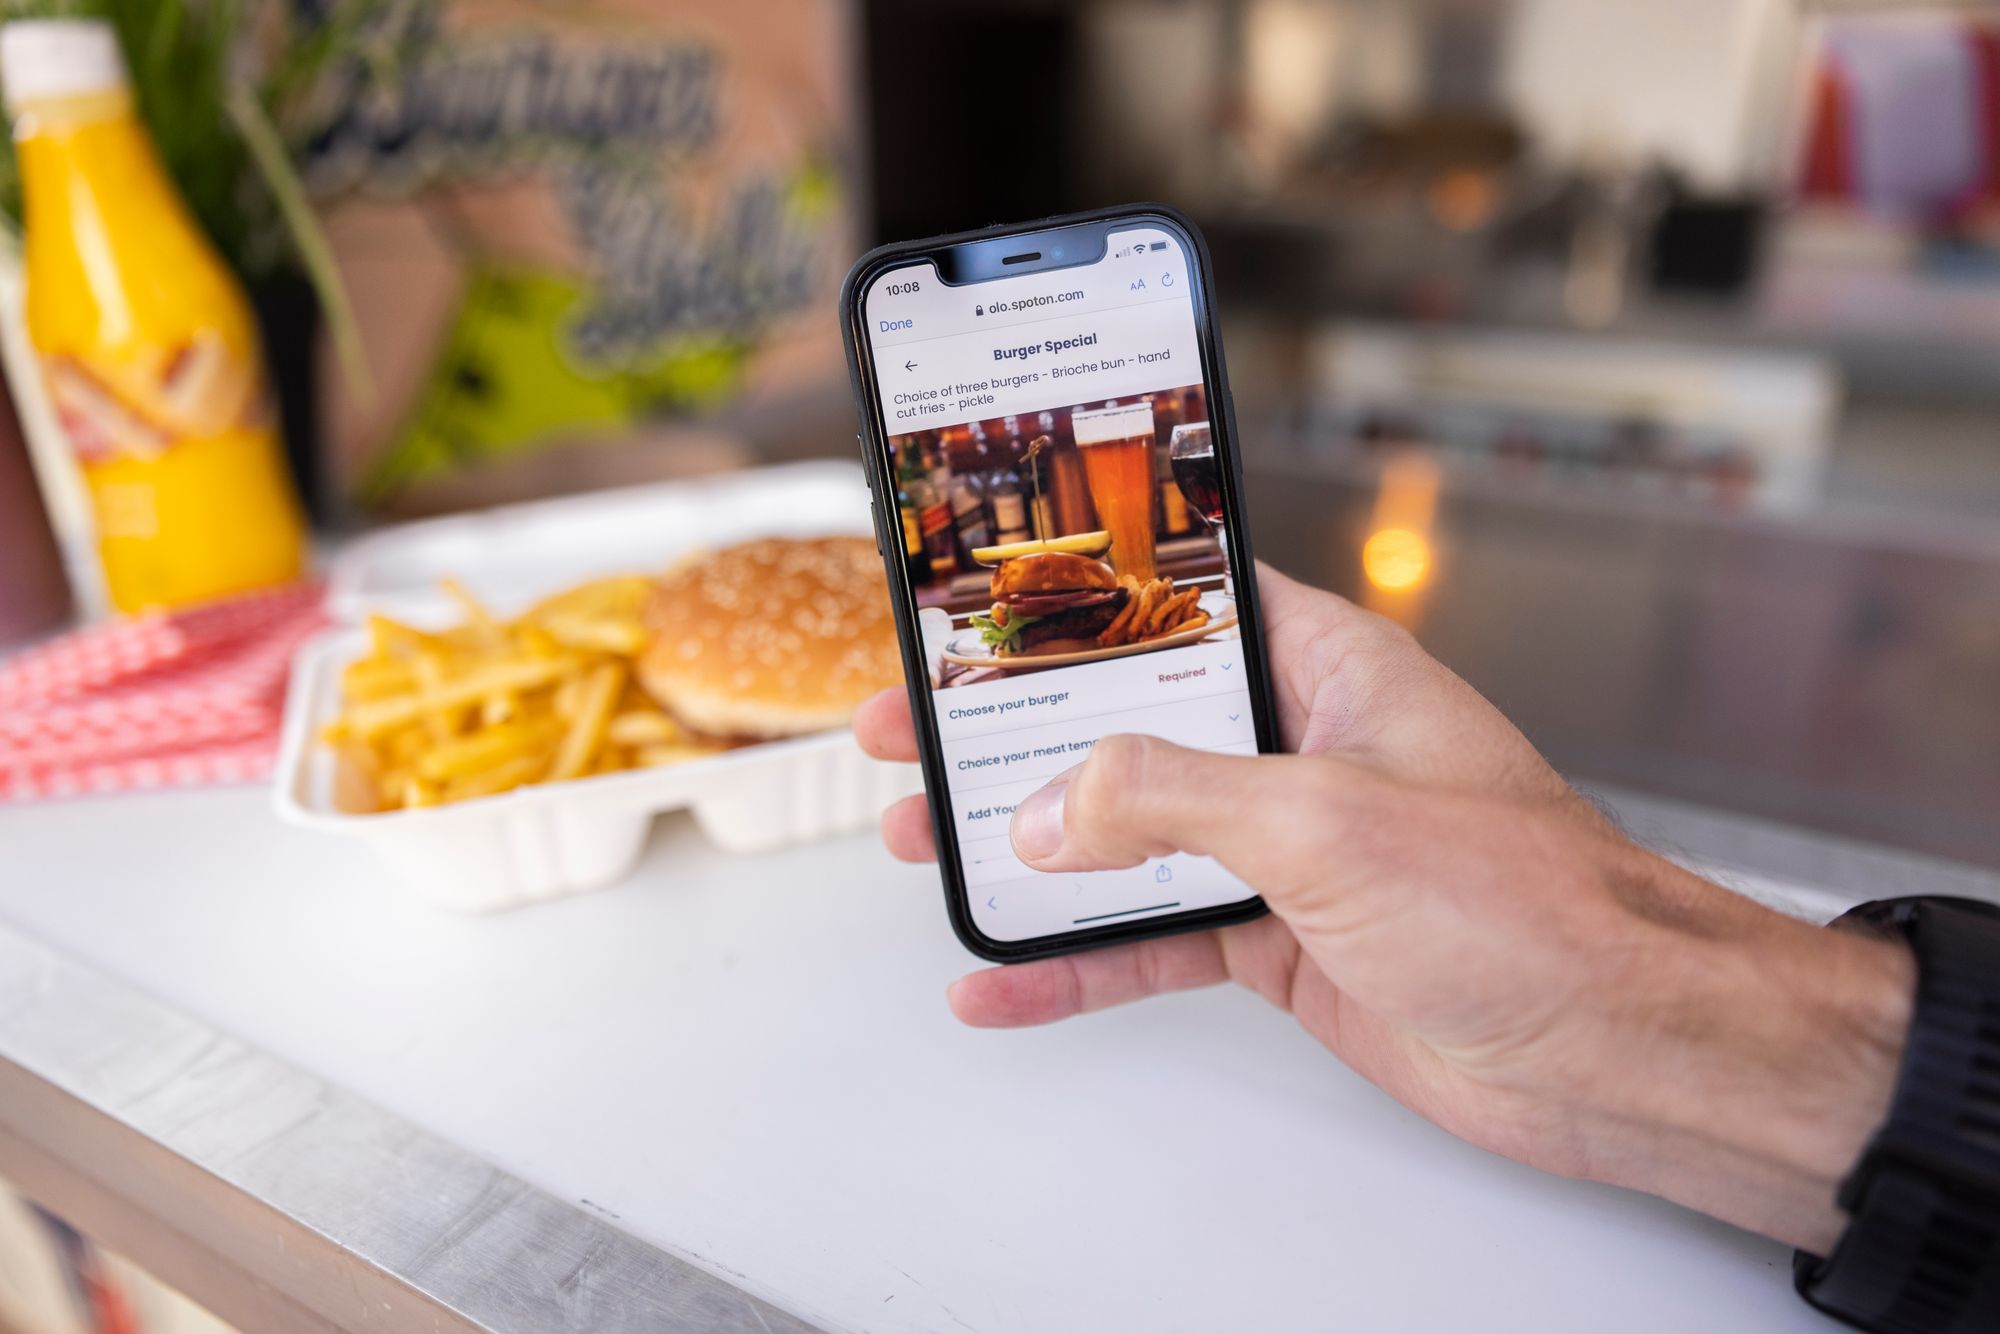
{"x":1164,"y":873}
{"x":979,"y":310}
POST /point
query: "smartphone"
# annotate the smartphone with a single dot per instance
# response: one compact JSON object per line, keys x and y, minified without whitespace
{"x":1052,"y":455}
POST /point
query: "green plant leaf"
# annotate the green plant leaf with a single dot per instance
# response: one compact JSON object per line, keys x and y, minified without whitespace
{"x":307,"y":237}
{"x":188,"y":60}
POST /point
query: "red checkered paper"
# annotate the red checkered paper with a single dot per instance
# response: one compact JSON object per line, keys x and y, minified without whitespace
{"x":167,"y":699}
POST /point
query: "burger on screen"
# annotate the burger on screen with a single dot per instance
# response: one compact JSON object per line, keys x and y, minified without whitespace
{"x":1049,"y":602}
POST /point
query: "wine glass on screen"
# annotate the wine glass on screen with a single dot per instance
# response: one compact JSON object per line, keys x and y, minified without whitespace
{"x":1191,"y":451}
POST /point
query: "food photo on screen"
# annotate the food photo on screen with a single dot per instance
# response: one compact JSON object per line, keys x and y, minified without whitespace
{"x":1080,"y":533}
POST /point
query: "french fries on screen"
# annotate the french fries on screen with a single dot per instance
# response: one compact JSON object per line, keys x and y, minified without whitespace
{"x":1152,"y":609}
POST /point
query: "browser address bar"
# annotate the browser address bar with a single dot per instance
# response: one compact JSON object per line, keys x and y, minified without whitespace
{"x":912,"y":305}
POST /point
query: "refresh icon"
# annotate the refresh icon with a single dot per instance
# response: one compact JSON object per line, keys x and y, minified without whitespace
{"x":1166,"y":280}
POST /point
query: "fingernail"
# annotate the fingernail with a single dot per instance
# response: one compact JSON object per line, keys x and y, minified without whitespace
{"x":1038,"y":822}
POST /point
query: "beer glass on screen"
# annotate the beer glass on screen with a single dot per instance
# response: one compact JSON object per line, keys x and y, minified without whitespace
{"x":1117,"y":447}
{"x":1191,"y":452}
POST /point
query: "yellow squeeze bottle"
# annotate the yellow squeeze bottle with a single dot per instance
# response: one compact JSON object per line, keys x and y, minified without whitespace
{"x":147,"y":345}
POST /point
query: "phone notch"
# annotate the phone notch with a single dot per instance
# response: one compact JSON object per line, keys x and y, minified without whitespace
{"x":1057,"y":248}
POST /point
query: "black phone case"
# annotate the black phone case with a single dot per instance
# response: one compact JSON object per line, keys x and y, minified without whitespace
{"x":873,"y":441}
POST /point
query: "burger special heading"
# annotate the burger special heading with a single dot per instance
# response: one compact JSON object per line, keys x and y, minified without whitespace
{"x":1026,"y":350}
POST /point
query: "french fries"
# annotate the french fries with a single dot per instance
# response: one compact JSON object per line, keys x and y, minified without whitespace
{"x":431,"y":717}
{"x":1111,"y":633}
{"x":586,"y":728}
{"x":1152,"y":609}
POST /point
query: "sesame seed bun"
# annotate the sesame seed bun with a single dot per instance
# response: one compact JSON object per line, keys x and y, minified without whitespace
{"x":772,"y":638}
{"x":1052,"y":571}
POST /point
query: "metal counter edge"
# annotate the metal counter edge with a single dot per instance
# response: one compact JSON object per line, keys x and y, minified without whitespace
{"x":280,"y":1202}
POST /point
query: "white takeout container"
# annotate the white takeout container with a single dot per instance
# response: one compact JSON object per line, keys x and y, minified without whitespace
{"x":546,"y":840}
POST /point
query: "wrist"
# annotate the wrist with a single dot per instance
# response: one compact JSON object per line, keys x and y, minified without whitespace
{"x":1793,"y":1038}
{"x":1843,"y":1004}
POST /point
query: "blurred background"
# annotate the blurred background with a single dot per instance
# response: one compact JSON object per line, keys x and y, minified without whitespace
{"x":1640,"y":358}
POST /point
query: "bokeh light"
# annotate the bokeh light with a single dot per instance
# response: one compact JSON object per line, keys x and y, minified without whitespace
{"x":1395,"y":559}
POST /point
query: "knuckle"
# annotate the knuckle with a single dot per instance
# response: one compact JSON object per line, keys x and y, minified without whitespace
{"x":1104,"y":791}
{"x":1386,"y":633}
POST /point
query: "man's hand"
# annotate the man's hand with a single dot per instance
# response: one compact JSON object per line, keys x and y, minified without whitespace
{"x":1454,"y":922}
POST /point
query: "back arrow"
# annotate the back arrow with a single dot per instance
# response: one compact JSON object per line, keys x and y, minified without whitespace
{"x":909,"y":365}
{"x":991,"y":904}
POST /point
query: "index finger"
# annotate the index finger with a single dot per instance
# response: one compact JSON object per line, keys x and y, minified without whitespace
{"x":882,"y":725}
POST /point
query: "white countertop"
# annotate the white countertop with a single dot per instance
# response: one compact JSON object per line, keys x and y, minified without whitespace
{"x":749,"y":1062}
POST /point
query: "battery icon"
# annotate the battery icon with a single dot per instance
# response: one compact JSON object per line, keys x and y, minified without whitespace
{"x":1158,"y":245}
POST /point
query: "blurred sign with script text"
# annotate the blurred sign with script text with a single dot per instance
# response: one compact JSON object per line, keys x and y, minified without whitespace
{"x":586,"y":242}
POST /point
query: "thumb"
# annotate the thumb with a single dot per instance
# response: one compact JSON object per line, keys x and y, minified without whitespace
{"x":1139,"y":797}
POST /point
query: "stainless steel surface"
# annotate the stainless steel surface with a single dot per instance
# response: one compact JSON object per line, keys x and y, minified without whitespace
{"x":1837,"y":671}
{"x":282,"y":1203}
{"x":1838,"y":868}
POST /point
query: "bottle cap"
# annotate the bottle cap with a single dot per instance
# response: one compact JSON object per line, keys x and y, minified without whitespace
{"x":44,"y":58}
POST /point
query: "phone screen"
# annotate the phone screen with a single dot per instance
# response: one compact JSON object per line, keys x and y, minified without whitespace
{"x":1061,"y":507}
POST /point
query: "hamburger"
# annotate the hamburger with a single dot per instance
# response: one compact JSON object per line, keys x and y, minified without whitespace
{"x":771,"y":638}
{"x":1049,"y":602}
